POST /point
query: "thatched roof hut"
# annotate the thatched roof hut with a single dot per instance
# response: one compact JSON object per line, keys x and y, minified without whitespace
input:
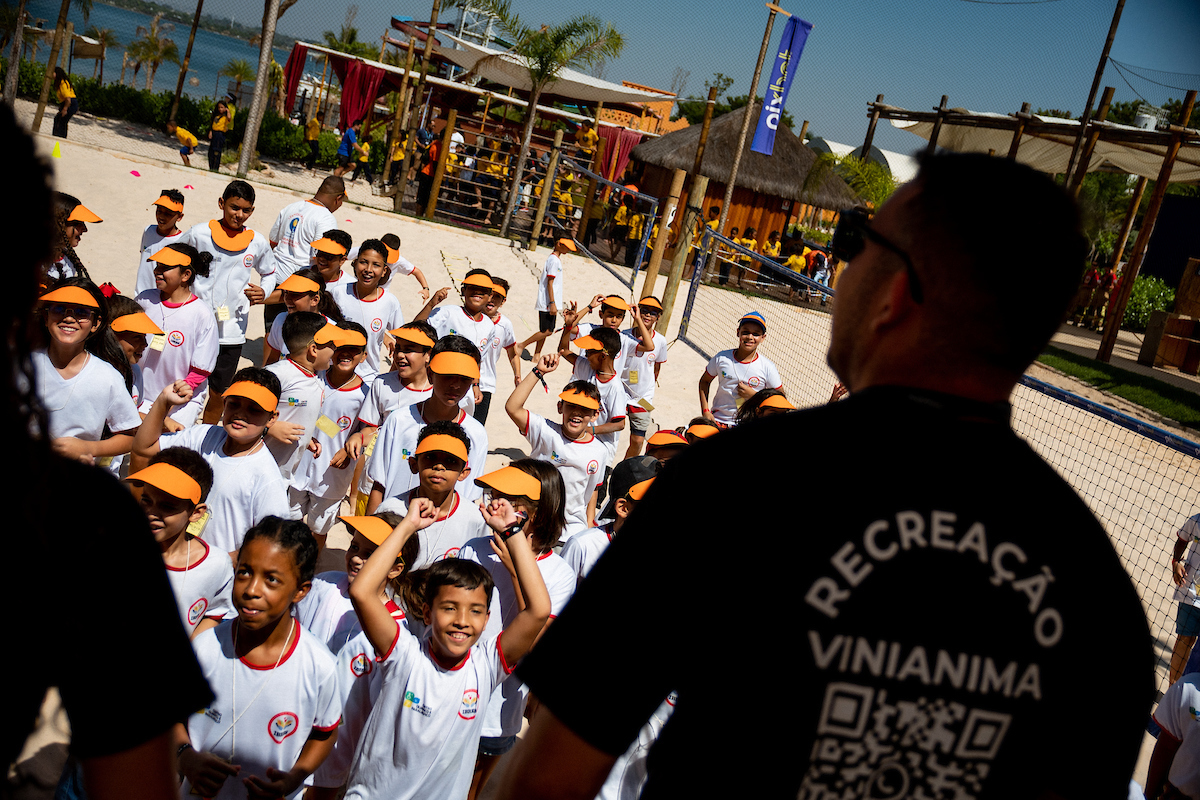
{"x":781,"y":174}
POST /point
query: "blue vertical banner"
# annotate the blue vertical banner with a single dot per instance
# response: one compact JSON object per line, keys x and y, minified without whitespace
{"x":791,"y":45}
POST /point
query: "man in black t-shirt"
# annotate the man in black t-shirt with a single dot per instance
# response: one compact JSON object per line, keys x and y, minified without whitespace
{"x":924,"y":628}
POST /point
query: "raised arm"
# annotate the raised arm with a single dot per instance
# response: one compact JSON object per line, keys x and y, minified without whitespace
{"x":438,"y":296}
{"x":523,"y":631}
{"x":145,"y":441}
{"x":515,"y":405}
{"x":377,"y":622}
{"x":420,"y":276}
{"x":647,"y":335}
{"x":571,"y":318}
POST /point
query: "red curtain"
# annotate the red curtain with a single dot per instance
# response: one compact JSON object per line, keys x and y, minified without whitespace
{"x":293,"y":72}
{"x":360,"y":87}
{"x":621,"y":142}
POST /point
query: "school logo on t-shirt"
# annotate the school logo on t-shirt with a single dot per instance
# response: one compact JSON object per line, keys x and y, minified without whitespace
{"x":470,"y":704}
{"x":360,"y":665}
{"x":376,"y":325}
{"x":248,"y":260}
{"x":593,"y":467}
{"x":295,"y":223}
{"x":196,"y":612}
{"x":296,"y":402}
{"x":344,"y":422}
{"x":755,"y":382}
{"x":414,"y":702}
{"x":175,"y":338}
{"x":283,"y":725}
{"x":483,"y":343}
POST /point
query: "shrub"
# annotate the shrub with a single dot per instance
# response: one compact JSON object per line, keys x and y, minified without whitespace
{"x":1149,"y":294}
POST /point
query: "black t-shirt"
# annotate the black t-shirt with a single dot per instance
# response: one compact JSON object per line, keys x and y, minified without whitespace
{"x":88,"y":609}
{"x":920,"y":626}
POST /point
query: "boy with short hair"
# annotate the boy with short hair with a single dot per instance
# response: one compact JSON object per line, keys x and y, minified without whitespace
{"x":317,"y":486}
{"x":247,"y":486}
{"x":440,"y":464}
{"x":550,"y":295}
{"x":298,"y":225}
{"x":740,"y":373}
{"x":469,"y":320}
{"x":398,"y":264}
{"x":168,"y":211}
{"x":187,"y":141}
{"x":310,"y":341}
{"x":598,"y":365}
{"x":453,"y":370}
{"x":173,"y":489}
{"x":612,"y":314}
{"x":503,"y":339}
{"x":641,"y":368}
{"x":368,"y":303}
{"x":236,"y":252}
{"x":329,"y":256}
{"x":628,"y":484}
{"x":570,"y":444}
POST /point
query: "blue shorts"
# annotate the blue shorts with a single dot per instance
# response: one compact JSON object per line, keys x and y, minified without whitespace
{"x":1187,"y":621}
{"x":185,"y":151}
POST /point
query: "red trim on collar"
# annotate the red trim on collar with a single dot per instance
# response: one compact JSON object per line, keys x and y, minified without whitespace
{"x":457,"y":666}
{"x":302,"y":369}
{"x":287,"y":655}
{"x":169,"y":304}
{"x":198,"y":562}
{"x":453,"y":508}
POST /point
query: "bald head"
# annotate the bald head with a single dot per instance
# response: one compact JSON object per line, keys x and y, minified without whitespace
{"x":331,"y":187}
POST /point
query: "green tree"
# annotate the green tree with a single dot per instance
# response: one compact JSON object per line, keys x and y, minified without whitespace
{"x":577,"y":43}
{"x":153,"y":49}
{"x":106,"y":37}
{"x":346,"y":39}
{"x":240,"y":71}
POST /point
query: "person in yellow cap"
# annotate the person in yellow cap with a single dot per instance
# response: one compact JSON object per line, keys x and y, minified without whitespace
{"x":453,"y":370}
{"x":173,"y":489}
{"x":247,"y":486}
{"x":168,"y":213}
{"x":568,"y":444}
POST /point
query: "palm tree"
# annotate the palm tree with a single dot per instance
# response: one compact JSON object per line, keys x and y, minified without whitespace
{"x":275,"y":86}
{"x":579,"y":42}
{"x":107,"y":38}
{"x":153,"y":48}
{"x":240,"y":70}
{"x":346,"y":39}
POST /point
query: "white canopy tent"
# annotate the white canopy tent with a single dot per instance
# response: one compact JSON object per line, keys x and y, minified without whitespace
{"x":903,"y":168}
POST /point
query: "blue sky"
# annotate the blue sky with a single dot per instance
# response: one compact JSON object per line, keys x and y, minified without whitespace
{"x":984,"y":56}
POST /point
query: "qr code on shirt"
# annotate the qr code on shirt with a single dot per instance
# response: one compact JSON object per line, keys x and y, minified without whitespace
{"x":926,"y":748}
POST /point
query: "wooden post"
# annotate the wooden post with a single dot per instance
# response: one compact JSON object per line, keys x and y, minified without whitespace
{"x":443,"y":155}
{"x":187,"y":56}
{"x":937,"y":128}
{"x":417,"y":95}
{"x":14,"y":56}
{"x":55,"y":49}
{"x":1116,"y":306}
{"x":258,"y":103}
{"x":874,"y":120}
{"x":547,"y":191}
{"x":1127,"y":225}
{"x":487,"y":102}
{"x":710,"y":104}
{"x":1022,"y":116}
{"x":683,"y":245}
{"x":803,"y":131}
{"x":1093,"y":136}
{"x":398,"y":120}
{"x":650,"y":283}
{"x":1087,"y":110}
{"x":322,"y":90}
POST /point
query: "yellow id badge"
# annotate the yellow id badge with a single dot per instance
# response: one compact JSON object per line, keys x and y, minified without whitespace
{"x":158,"y":341}
{"x":739,"y":400}
{"x":196,"y":528}
{"x":222,"y":313}
{"x":104,"y":461}
{"x":633,"y":376}
{"x":327,"y":426}
{"x":646,"y":404}
{"x":371,"y":446}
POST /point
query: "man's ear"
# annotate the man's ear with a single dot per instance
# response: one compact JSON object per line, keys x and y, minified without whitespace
{"x":892,"y":303}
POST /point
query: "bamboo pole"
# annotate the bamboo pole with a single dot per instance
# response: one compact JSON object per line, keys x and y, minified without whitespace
{"x":1127,"y":224}
{"x":417,"y":96}
{"x":547,"y":190}
{"x":937,"y":128}
{"x":55,"y":50}
{"x":1076,"y":180}
{"x":874,"y":120}
{"x":752,"y":98}
{"x":443,"y":156}
{"x":187,"y":56}
{"x":1021,"y":116}
{"x":1087,"y":110}
{"x":650,"y":283}
{"x":691,"y":216}
{"x":14,"y":56}
{"x":1116,"y":307}
{"x":323,"y":90}
{"x":401,"y":109}
{"x":262,"y":80}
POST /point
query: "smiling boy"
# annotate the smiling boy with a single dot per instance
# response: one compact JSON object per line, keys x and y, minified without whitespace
{"x":740,"y":373}
{"x":469,"y":320}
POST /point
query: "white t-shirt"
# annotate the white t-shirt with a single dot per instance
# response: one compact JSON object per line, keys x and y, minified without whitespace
{"x":205,"y":587}
{"x":583,"y":550}
{"x":397,"y":440}
{"x":501,"y":336}
{"x":552,"y":269}
{"x":1177,"y":715}
{"x":614,"y":402}
{"x":339,"y":411}
{"x":446,"y":536}
{"x":276,"y":708}
{"x":152,"y":242}
{"x":386,"y":395}
{"x":189,"y":341}
{"x":300,"y":398}
{"x":246,"y":489}
{"x":581,"y":464}
{"x":619,"y":361}
{"x":1190,"y":532}
{"x":377,"y":317}
{"x":453,"y":320}
{"x":638,"y":374}
{"x":296,"y":228}
{"x":423,"y":734}
{"x":228,"y":277}
{"x":506,"y":711}
{"x":80,"y":407}
{"x":758,"y":372}
{"x":326,"y":611}
{"x":628,"y":774}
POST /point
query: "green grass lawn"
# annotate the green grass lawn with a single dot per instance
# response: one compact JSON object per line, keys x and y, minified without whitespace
{"x":1160,"y":397}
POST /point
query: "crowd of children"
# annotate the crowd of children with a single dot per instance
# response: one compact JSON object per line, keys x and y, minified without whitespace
{"x":391,"y":678}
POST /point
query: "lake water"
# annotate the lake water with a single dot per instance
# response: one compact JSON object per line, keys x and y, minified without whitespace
{"x":210,"y":52}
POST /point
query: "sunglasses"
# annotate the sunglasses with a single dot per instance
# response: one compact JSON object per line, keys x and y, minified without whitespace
{"x":75,"y":312}
{"x":850,"y":239}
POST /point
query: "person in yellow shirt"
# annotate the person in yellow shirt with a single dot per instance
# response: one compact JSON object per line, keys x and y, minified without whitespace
{"x":772,"y":246}
{"x":220,"y":124}
{"x":586,"y":138}
{"x":187,"y":140}
{"x":633,"y":238}
{"x":68,"y":103}
{"x":362,"y":165}
{"x":312,"y":138}
{"x":744,"y":261}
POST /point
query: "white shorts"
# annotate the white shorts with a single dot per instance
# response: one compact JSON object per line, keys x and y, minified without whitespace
{"x":322,"y":512}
